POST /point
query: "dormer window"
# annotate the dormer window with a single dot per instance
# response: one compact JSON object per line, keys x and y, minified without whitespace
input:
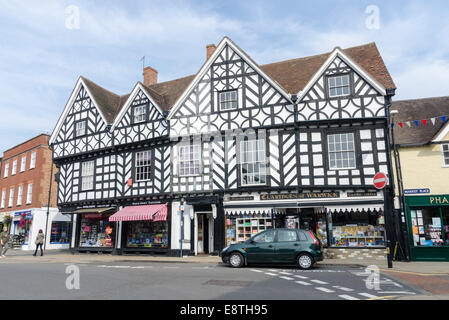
{"x":339,"y":86}
{"x":228,"y":100}
{"x":80,"y":128}
{"x":140,"y":114}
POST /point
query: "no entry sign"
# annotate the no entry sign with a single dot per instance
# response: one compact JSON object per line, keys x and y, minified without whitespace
{"x":380,"y":180}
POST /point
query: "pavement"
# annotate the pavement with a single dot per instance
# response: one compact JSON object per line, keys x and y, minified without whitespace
{"x":429,"y":280}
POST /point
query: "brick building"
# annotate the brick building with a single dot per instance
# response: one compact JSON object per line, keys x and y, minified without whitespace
{"x":25,"y":206}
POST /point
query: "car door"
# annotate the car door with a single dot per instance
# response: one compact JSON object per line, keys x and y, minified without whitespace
{"x":287,"y":246}
{"x":261,"y":248}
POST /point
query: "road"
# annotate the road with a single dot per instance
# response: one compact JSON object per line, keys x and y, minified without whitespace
{"x":190,"y":281}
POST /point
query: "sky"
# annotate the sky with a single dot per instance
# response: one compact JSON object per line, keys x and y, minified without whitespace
{"x":46,"y":45}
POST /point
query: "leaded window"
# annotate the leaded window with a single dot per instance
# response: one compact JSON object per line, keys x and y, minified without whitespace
{"x":339,"y":86}
{"x":87,"y":175}
{"x":445,"y":149}
{"x":140,"y":114}
{"x":341,"y":151}
{"x":143,"y":165}
{"x":228,"y":100}
{"x":253,"y":162}
{"x":189,"y":160}
{"x":80,"y":128}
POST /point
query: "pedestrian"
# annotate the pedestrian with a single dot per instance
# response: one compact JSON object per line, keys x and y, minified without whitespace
{"x":39,"y":242}
{"x":4,"y":239}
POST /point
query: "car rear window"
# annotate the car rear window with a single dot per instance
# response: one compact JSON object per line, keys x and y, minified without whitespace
{"x":302,"y":236}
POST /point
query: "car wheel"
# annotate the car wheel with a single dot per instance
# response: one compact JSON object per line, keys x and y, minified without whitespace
{"x":236,"y":260}
{"x":305,"y":261}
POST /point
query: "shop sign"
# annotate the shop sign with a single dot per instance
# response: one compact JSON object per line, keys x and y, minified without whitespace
{"x":92,"y":215}
{"x":439,"y":200}
{"x":307,"y":195}
{"x":244,"y":198}
{"x":26,"y":214}
{"x":416,"y":191}
{"x":361,"y":194}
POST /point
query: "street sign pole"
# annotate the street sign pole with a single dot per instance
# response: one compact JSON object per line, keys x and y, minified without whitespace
{"x":380,"y":181}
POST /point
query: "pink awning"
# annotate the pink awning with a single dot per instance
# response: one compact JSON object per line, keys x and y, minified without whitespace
{"x":155,"y":212}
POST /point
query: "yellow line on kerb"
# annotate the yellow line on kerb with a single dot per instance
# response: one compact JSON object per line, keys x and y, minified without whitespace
{"x":382,"y":298}
{"x":416,"y":273}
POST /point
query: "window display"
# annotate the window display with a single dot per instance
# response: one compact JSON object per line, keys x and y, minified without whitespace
{"x":427,"y":227}
{"x":445,"y":213}
{"x":60,"y":232}
{"x":241,"y":229}
{"x":96,"y":231}
{"x":357,"y":229}
{"x":147,"y":234}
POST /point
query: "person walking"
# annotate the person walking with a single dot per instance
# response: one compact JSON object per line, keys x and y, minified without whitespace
{"x":39,"y":242}
{"x":4,"y":239}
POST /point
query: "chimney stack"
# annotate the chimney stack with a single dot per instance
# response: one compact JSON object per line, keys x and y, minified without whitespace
{"x":149,"y":76}
{"x":210,"y":48}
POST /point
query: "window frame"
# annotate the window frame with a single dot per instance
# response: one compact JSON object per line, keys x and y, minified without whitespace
{"x":445,"y":165}
{"x":33,"y":160}
{"x":29,"y":194}
{"x":11,"y":198}
{"x":19,"y":195}
{"x":145,"y":108}
{"x":6,"y":171}
{"x":151,"y":165}
{"x":200,"y":162}
{"x":3,"y":199}
{"x":333,"y":76}
{"x":328,"y":134}
{"x":75,"y":132}
{"x":81,"y":188}
{"x":228,"y":101}
{"x":14,"y":168}
{"x":265,"y":162}
{"x":23,"y":163}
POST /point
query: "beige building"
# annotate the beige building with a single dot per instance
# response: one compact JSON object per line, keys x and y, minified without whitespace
{"x":423,"y":159}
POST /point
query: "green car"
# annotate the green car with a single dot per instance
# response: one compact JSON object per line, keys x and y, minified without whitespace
{"x":276,"y":246}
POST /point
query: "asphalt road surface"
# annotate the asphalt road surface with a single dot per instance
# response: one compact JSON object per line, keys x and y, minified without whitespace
{"x":190,"y":281}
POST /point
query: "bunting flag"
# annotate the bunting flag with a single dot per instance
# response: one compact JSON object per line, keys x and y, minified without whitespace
{"x":424,"y":122}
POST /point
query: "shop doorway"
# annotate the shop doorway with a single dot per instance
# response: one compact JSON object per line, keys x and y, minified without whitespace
{"x":204,"y":232}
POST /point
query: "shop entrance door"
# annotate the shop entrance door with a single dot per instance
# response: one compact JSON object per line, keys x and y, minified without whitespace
{"x":202,"y":233}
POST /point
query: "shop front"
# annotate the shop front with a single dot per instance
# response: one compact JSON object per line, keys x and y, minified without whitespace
{"x":428,"y":225}
{"x":21,"y":229}
{"x":143,"y":228}
{"x":348,"y":223}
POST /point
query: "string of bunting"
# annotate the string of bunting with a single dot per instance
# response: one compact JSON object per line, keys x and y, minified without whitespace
{"x":416,"y":123}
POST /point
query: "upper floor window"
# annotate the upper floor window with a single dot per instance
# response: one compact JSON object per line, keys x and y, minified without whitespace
{"x":5,"y":175}
{"x":189,"y":160}
{"x":33,"y":160}
{"x":143,"y":165}
{"x":253,"y":162}
{"x":445,"y":148}
{"x":19,"y":195}
{"x":80,"y":128}
{"x":29,"y":193}
{"x":339,"y":86}
{"x":87,"y":175}
{"x":140,"y":114}
{"x":14,"y":167}
{"x":228,"y":100}
{"x":23,"y":163}
{"x":2,"y":205}
{"x":341,"y":151}
{"x":11,"y":197}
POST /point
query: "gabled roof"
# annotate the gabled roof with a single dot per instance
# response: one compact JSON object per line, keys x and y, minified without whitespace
{"x":419,"y":109}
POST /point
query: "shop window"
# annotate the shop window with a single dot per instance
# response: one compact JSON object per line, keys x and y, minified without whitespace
{"x":445,"y":150}
{"x":189,"y":160}
{"x":87,"y":175}
{"x":140,"y":114}
{"x":147,"y":234}
{"x":427,"y":228}
{"x":253,"y":162}
{"x":96,"y":231}
{"x":341,"y":151}
{"x":143,"y":165}
{"x":339,"y":86}
{"x":287,"y":235}
{"x":356,"y":229}
{"x":61,"y":232}
{"x":241,"y":229}
{"x":445,"y":214}
{"x":228,"y":100}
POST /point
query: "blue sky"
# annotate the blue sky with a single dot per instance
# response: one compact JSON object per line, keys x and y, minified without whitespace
{"x":41,"y":59}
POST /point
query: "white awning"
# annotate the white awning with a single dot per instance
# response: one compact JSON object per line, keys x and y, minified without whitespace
{"x":251,"y":211}
{"x":355,"y":207}
{"x":60,"y":217}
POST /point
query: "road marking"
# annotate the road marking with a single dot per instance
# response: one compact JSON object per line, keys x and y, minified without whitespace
{"x":286,"y":273}
{"x":343,"y":288}
{"x":273,"y":270}
{"x":301,"y":277}
{"x":345,"y":296}
{"x":286,"y":278}
{"x":271,"y":274}
{"x":256,"y":270}
{"x":319,"y":281}
{"x":367,"y":295}
{"x":303,"y":283}
{"x":166,"y":267}
{"x":415,"y":273}
{"x":396,"y":292}
{"x":324,"y":289}
{"x":137,"y":267}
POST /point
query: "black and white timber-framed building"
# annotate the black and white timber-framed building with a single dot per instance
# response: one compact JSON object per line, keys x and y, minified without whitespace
{"x":235,"y":149}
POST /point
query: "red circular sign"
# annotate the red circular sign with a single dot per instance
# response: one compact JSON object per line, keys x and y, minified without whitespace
{"x":380,"y":180}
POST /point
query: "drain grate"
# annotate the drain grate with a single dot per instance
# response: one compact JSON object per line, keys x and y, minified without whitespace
{"x":228,"y":283}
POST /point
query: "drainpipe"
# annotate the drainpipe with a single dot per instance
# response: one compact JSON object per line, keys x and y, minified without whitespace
{"x":48,"y":203}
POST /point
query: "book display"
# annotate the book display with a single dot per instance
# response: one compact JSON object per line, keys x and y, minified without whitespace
{"x":358,"y":236}
{"x":147,"y":234}
{"x":241,"y":229}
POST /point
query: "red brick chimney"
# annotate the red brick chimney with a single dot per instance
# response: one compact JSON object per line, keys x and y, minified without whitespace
{"x":210,"y":48}
{"x":149,"y":76}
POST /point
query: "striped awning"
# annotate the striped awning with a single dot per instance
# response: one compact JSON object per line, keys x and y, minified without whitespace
{"x":155,"y":212}
{"x":251,"y":211}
